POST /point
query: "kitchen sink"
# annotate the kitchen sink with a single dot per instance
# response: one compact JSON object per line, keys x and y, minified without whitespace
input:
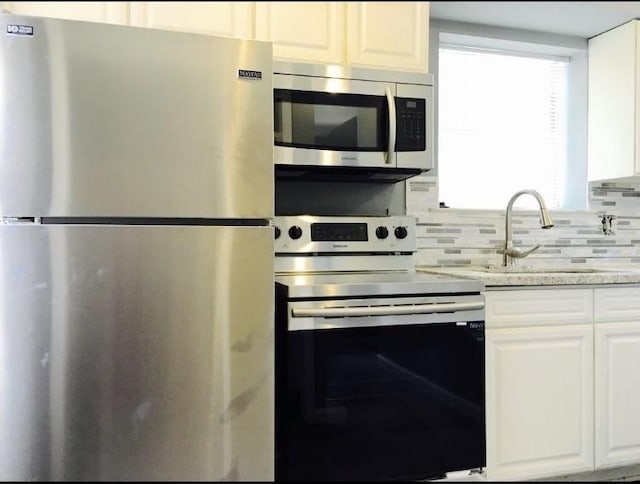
{"x":541,"y":270}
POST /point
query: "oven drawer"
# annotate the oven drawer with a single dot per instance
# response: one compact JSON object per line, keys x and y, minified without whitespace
{"x":367,"y":312}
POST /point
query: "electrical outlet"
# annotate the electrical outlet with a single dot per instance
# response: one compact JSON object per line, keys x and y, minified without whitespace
{"x":608,"y":224}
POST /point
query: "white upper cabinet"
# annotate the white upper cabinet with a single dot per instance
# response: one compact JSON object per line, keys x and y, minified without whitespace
{"x":387,"y":35}
{"x":227,"y":19}
{"x":384,"y":35}
{"x":303,"y":31}
{"x":614,"y":104}
{"x":109,"y":12}
{"x":391,"y":35}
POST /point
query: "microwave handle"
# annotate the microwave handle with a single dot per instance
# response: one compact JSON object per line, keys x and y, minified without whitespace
{"x":391,"y":150}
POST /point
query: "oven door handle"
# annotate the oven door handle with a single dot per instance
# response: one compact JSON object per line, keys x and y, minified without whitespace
{"x":385,"y":310}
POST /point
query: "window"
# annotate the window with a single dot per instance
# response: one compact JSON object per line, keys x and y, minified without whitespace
{"x":507,"y":121}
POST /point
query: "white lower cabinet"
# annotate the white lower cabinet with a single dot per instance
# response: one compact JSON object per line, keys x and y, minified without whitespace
{"x":562,"y":380}
{"x":539,"y":382}
{"x":539,"y":401}
{"x":617,"y":376}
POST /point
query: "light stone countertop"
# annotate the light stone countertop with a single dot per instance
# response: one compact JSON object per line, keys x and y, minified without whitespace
{"x":538,"y":277}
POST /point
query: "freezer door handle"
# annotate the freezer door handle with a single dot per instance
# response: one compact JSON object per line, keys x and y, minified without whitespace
{"x":385,"y":310}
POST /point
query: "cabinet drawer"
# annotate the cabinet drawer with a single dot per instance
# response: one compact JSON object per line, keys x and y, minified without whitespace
{"x":617,"y":304}
{"x":538,"y":307}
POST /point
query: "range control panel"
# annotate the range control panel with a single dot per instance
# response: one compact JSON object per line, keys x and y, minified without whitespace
{"x":306,"y":234}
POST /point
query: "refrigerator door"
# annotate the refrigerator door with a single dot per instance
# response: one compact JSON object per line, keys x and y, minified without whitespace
{"x":106,"y":120}
{"x":136,"y":353}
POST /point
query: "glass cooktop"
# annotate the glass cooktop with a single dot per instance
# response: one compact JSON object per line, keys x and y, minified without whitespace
{"x":375,"y":283}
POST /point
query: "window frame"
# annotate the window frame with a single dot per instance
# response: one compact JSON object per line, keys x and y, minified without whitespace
{"x":540,"y":43}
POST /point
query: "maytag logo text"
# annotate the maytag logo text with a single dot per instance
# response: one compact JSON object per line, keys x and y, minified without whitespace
{"x":245,"y":74}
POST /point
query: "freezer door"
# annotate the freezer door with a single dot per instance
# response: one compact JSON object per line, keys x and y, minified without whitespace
{"x":107,"y":120}
{"x":136,"y":353}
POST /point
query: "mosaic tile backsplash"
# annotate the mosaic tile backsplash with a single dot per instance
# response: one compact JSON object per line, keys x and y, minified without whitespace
{"x":607,"y":233}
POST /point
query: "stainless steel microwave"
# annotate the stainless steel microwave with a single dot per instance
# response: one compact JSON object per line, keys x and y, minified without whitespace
{"x":362,"y":122}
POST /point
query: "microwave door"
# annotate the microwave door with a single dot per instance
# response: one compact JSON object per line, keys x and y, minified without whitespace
{"x":333,"y":122}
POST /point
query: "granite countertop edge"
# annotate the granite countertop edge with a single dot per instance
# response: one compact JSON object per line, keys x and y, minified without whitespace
{"x":608,"y":276}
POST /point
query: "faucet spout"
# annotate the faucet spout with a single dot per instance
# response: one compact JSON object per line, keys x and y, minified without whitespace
{"x":509,"y":252}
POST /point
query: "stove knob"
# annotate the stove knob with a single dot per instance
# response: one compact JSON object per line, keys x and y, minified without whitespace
{"x":382,"y":232}
{"x":400,"y":232}
{"x":276,"y":231}
{"x":295,"y":232}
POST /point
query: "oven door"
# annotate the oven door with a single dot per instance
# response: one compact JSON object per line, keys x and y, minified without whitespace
{"x":395,"y":396}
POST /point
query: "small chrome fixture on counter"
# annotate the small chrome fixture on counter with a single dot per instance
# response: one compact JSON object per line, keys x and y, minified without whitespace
{"x":509,"y":252}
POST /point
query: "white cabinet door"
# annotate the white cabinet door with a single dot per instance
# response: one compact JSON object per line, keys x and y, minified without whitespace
{"x":303,"y":31}
{"x":617,"y":375}
{"x":388,"y":35}
{"x":539,"y":394}
{"x":613,"y":147}
{"x":110,"y":12}
{"x":617,"y":390}
{"x":227,"y":19}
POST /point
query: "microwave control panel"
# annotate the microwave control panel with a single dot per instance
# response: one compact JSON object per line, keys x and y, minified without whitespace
{"x":410,"y":124}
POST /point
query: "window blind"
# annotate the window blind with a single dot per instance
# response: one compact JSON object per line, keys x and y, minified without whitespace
{"x":502,"y":127}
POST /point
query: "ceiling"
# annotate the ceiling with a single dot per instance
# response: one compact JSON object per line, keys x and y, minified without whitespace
{"x":580,"y":19}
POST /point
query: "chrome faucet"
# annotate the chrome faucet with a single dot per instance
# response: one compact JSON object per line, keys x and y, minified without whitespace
{"x":509,"y":252}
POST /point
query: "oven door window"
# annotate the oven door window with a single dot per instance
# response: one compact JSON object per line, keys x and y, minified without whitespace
{"x":383,"y":403}
{"x":326,"y":121}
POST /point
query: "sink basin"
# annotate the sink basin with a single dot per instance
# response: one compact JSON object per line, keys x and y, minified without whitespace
{"x":541,"y":270}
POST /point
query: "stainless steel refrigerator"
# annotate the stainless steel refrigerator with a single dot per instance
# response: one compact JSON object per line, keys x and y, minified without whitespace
{"x":136,"y":254}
